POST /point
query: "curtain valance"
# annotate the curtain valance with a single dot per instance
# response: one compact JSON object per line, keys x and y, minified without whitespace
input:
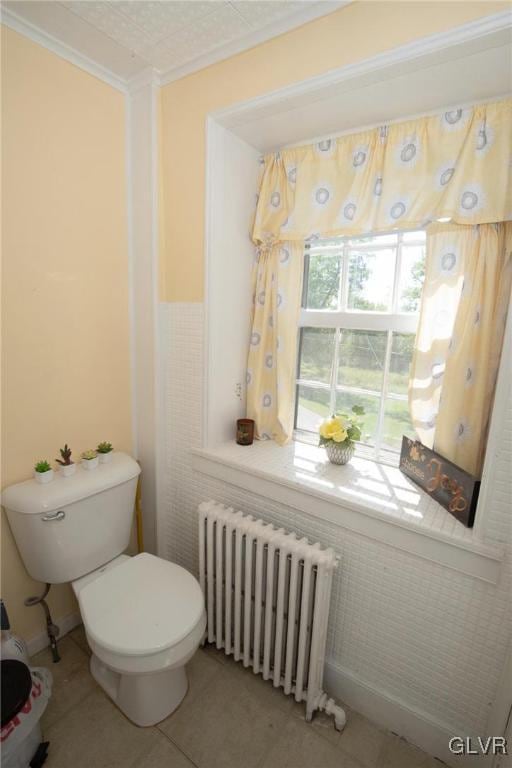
{"x":457,"y":164}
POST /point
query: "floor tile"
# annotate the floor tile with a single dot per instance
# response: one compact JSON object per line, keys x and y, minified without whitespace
{"x":164,"y":754}
{"x":300,"y":747}
{"x":230,"y":718}
{"x":363,"y":740}
{"x":216,"y":653}
{"x":398,"y":753}
{"x":95,"y":734}
{"x":201,"y":669}
{"x":226,"y":726}
{"x":254,"y":683}
{"x":72,"y":680}
{"x":79,"y":637}
{"x":263,"y":690}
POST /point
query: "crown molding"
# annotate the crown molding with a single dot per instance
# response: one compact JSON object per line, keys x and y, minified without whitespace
{"x":148,"y":77}
{"x":37,"y":35}
{"x":310,"y":12}
{"x":487,"y":25}
{"x":436,"y":42}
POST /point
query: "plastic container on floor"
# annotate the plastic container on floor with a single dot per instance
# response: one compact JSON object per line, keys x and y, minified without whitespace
{"x":11,"y":646}
{"x":25,"y":695}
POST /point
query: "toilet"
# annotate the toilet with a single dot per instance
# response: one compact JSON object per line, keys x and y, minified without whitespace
{"x":144,"y":616}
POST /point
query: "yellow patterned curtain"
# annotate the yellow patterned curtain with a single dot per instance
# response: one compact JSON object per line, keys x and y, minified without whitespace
{"x":459,"y":340}
{"x":454,"y":165}
{"x":277,"y":281}
{"x":444,"y":276}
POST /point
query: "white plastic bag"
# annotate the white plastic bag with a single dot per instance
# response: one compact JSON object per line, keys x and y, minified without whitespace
{"x":18,"y":729}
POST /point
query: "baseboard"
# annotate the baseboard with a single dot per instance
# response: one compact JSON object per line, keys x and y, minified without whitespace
{"x":65,"y":624}
{"x":419,"y":728}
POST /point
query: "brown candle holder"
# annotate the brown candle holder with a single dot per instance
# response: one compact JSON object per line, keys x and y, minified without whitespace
{"x":245,"y":431}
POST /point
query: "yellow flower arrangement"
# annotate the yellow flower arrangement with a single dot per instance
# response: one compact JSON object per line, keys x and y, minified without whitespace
{"x":343,"y":427}
{"x":334,"y":429}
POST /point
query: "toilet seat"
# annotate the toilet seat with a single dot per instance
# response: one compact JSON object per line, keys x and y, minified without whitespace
{"x":143,"y":615}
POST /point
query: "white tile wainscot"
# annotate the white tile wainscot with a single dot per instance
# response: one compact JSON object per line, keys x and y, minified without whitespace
{"x":365,"y":497}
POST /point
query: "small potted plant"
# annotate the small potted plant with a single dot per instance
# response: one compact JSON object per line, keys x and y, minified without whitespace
{"x":67,"y":467}
{"x":89,"y":459}
{"x":43,"y":472}
{"x":340,"y":433}
{"x":104,"y":452}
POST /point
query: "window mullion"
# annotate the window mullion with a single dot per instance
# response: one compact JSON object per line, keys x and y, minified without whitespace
{"x":344,"y":279}
{"x":342,"y":305}
{"x":380,"y":420}
{"x":334,"y":370}
{"x":305,"y":280}
{"x":398,"y":270}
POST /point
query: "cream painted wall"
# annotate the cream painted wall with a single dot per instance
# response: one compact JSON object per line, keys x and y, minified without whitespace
{"x":353,"y":33}
{"x":65,"y":332}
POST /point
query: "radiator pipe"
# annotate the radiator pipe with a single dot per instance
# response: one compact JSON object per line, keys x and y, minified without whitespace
{"x":330,"y":707}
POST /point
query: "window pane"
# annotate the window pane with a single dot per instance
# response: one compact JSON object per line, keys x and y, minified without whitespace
{"x":396,"y":423}
{"x":312,"y":408}
{"x":361,"y":359}
{"x":370,"y":279}
{"x":413,"y":237}
{"x":323,"y":286}
{"x":387,"y":239}
{"x":401,"y":356}
{"x":317,"y":349}
{"x":344,"y":403}
{"x":412,"y":275}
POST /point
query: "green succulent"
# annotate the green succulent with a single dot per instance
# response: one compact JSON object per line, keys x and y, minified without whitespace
{"x":88,"y":455}
{"x":104,"y":447}
{"x":42,"y":466}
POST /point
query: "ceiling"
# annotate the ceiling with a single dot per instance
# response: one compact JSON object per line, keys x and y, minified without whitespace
{"x":175,"y":37}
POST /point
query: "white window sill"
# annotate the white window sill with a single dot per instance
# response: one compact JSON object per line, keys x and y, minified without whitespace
{"x":371,"y":499}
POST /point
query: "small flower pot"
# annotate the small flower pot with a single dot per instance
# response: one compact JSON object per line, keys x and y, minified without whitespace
{"x":44,"y":477}
{"x":105,"y":457}
{"x":66,"y":470}
{"x":90,"y":463}
{"x":339,"y":453}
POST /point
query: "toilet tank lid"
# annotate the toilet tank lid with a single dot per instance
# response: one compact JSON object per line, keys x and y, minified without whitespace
{"x":31,"y":497}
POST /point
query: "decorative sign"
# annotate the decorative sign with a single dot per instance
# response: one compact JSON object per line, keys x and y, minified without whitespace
{"x":452,"y":487}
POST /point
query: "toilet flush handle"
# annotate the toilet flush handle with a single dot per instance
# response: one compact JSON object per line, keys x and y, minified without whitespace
{"x":60,"y":515}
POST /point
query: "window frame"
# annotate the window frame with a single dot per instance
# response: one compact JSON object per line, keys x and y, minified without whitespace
{"x":389,"y":322}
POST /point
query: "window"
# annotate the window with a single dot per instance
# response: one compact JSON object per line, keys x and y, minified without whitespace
{"x":358,"y":321}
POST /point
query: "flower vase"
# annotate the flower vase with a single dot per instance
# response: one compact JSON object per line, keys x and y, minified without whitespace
{"x":339,"y":453}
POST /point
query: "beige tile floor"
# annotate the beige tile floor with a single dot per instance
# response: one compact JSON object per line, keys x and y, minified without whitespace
{"x":230,"y":718}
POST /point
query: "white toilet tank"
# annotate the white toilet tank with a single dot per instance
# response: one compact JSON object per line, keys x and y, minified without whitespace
{"x":73,"y":525}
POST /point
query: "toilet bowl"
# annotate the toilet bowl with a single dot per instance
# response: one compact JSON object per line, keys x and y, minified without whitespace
{"x":144,"y":618}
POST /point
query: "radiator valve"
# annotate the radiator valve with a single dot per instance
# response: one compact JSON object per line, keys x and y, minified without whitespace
{"x":330,"y":707}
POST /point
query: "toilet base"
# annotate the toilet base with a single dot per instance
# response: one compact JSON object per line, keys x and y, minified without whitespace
{"x":144,"y":699}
